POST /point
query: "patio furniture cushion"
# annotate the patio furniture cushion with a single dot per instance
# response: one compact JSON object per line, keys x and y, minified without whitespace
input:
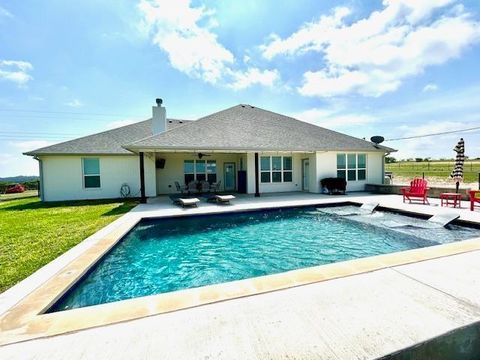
{"x":224,"y":198}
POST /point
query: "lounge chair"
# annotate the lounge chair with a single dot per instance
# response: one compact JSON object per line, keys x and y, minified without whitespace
{"x":418,"y":190}
{"x":474,"y":198}
{"x":181,"y":189}
{"x":187,"y":202}
{"x":221,"y":199}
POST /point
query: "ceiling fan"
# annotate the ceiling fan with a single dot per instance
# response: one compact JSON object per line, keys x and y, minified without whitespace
{"x":201,"y":155}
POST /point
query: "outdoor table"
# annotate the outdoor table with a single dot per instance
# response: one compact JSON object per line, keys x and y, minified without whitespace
{"x":451,"y":199}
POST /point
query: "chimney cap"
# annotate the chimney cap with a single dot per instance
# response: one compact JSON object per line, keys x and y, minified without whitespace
{"x":159,"y":101}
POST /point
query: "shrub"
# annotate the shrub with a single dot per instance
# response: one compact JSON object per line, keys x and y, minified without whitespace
{"x":334,"y":185}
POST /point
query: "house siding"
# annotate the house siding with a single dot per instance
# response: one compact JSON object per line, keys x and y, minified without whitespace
{"x":63,"y":177}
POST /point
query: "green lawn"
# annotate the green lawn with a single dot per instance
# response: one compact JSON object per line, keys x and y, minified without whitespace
{"x":33,"y":233}
{"x":434,"y":169}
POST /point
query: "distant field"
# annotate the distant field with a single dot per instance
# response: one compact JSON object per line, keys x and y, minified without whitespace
{"x":434,"y":169}
{"x":28,"y":193}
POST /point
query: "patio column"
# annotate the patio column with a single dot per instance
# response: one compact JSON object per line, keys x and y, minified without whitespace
{"x":257,"y":183}
{"x":143,"y":198}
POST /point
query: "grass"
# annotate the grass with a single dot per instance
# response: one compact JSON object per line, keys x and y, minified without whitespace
{"x":434,"y":169}
{"x":33,"y":233}
{"x":27,"y":193}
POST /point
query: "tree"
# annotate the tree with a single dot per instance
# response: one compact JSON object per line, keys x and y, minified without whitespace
{"x":390,"y":160}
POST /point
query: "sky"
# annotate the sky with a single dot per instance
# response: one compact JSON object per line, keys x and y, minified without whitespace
{"x":394,"y":68}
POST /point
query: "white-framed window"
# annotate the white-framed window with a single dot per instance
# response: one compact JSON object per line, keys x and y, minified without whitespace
{"x":352,"y":167}
{"x":276,"y":169}
{"x":200,"y":170}
{"x":91,"y":173}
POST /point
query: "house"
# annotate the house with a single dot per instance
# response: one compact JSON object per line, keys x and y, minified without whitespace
{"x":248,"y":149}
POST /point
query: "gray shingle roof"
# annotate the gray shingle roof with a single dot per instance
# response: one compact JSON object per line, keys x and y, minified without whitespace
{"x":107,"y":142}
{"x":244,"y":127}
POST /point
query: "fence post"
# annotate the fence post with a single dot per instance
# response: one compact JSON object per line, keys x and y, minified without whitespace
{"x":423,"y":175}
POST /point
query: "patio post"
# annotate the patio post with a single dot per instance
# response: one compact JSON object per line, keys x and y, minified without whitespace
{"x":257,"y":187}
{"x":143,"y":199}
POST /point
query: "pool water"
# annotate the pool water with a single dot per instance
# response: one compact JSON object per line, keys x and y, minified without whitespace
{"x":165,"y":255}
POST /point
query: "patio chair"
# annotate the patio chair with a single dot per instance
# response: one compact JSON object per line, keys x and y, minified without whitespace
{"x":182,"y":189}
{"x":215,"y":187}
{"x":220,"y":199}
{"x":192,"y":187}
{"x":205,"y":186}
{"x":474,"y":198}
{"x":418,"y":190}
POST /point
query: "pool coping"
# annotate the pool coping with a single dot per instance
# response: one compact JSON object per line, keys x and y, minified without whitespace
{"x":26,"y":320}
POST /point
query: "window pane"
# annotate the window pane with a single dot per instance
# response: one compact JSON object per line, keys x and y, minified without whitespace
{"x":211,"y":167}
{"x":92,"y":181}
{"x":265,"y":177}
{"x":201,"y":177}
{"x":287,"y":163}
{"x":212,"y":178}
{"x":200,"y":166}
{"x":276,"y":176}
{"x":362,"y":161}
{"x":91,"y":166}
{"x":352,"y":175}
{"x":287,"y":176}
{"x":341,"y":164}
{"x":265,"y":163}
{"x":188,"y":167}
{"x":188,"y":178}
{"x":341,"y":174}
{"x":276,"y":163}
{"x":352,"y":161}
{"x":362,"y":174}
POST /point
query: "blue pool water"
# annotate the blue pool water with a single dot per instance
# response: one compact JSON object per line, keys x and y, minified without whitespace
{"x":160,"y":256}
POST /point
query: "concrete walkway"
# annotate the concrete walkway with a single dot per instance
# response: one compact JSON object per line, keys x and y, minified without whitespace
{"x":357,"y":317}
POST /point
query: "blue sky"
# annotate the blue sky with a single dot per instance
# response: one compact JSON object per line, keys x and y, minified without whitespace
{"x":391,"y":68}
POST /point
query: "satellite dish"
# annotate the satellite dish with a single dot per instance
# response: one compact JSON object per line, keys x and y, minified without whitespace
{"x":377,"y":139}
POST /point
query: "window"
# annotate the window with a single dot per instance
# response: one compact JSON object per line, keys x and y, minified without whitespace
{"x":91,"y":173}
{"x":275,"y":169}
{"x":352,"y":167}
{"x":200,"y":170}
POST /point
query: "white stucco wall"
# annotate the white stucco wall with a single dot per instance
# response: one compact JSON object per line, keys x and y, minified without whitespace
{"x":173,"y":170}
{"x":63,"y":177}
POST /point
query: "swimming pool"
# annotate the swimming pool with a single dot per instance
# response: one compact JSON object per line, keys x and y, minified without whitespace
{"x":165,"y":255}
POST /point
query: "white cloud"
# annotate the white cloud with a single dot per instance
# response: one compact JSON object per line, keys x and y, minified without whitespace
{"x":252,"y":76}
{"x":5,"y":13}
{"x":16,"y":71}
{"x":75,"y":103}
{"x":430,"y":87}
{"x":191,"y":47}
{"x":374,"y":55}
{"x":333,"y":118}
{"x":29,"y":145}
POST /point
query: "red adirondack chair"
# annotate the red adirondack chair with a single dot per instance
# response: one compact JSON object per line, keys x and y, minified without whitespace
{"x":474,"y":198}
{"x":418,"y":190}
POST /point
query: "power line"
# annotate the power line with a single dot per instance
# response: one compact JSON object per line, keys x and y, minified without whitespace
{"x":60,"y":112}
{"x":434,"y":134}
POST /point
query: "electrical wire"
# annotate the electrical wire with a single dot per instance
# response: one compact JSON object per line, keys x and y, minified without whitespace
{"x":435,"y":134}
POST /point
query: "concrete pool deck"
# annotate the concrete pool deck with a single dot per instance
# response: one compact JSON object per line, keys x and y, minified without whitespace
{"x":358,"y":316}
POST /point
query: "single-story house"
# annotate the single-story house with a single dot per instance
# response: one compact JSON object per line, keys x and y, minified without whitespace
{"x":245,"y":148}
